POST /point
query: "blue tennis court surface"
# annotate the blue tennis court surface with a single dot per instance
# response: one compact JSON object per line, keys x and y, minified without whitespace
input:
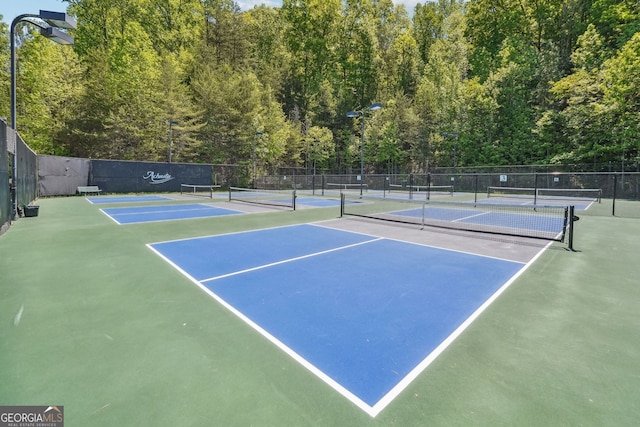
{"x":137,"y":214}
{"x":317,"y":202}
{"x":125,"y":199}
{"x":365,"y":314}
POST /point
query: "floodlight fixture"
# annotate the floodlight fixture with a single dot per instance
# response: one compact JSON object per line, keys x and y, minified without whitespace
{"x":58,"y":19}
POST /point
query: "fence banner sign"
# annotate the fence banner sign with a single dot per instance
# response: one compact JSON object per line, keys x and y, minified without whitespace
{"x":155,"y":178}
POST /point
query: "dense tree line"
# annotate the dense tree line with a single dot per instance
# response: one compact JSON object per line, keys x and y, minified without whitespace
{"x":480,"y":82}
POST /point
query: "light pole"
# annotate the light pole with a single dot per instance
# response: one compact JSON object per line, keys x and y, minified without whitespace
{"x":49,"y":24}
{"x":353,"y":114}
{"x":54,"y":21}
{"x":170,"y":138}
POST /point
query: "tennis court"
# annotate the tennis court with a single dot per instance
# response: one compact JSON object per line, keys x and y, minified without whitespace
{"x":263,"y":319}
{"x":365,"y":314}
{"x":139,"y":214}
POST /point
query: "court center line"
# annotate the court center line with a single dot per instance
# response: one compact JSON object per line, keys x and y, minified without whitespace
{"x":471,"y":216}
{"x":210,"y":279}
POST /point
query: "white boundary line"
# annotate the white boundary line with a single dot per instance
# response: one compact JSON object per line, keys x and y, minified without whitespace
{"x":404,"y":383}
{"x":423,"y":244}
{"x":298,"y":358}
{"x":204,"y":208}
{"x":133,"y":199}
{"x":374,"y":410}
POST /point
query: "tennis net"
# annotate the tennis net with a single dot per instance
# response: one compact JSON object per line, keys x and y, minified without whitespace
{"x":278,"y":198}
{"x":346,"y":186}
{"x":425,"y":191}
{"x":540,"y":222}
{"x":569,"y":194}
{"x":198,"y":190}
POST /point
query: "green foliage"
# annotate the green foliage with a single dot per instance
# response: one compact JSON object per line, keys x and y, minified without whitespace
{"x":515,"y":82}
{"x":319,"y":148}
{"x":5,"y":78}
{"x":47,"y":81}
{"x":231,"y":101}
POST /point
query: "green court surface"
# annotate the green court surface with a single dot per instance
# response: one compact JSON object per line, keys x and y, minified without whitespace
{"x":93,"y":320}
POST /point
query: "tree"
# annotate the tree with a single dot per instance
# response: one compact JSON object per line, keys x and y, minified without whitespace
{"x":225,"y":37}
{"x":622,"y":93}
{"x":119,"y":114}
{"x":231,"y":104}
{"x":616,"y":20}
{"x":395,"y":49}
{"x":427,"y":28}
{"x":513,"y":88}
{"x":270,"y":60}
{"x":489,"y":24}
{"x":517,"y":82}
{"x":180,"y":110}
{"x":174,"y":26}
{"x":5,"y":79}
{"x":438,"y":97}
{"x":311,"y":36}
{"x":49,"y":83}
{"x":478,"y":130}
{"x":278,"y":145}
{"x":597,"y":104}
{"x":319,"y":148}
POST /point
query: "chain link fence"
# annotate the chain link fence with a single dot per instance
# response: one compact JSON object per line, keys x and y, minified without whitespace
{"x":613,"y":193}
{"x":5,"y":179}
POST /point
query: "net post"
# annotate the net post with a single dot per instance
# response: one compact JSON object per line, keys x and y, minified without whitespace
{"x":475,"y":191}
{"x":571,"y":225}
{"x":293,"y":199}
{"x":342,"y":197}
{"x":229,"y":192}
{"x":410,"y":186}
{"x":385,"y":183}
{"x":324,"y":182}
{"x":615,"y":191}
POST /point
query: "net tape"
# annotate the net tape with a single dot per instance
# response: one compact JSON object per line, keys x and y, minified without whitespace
{"x":263,"y":197}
